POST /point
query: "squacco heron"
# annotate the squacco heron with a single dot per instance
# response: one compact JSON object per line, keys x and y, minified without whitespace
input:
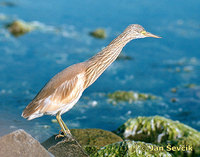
{"x":64,"y":90}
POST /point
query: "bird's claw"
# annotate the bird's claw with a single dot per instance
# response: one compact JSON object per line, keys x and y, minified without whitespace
{"x":59,"y":135}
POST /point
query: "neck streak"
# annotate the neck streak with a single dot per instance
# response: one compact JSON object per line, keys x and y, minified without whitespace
{"x":100,"y":62}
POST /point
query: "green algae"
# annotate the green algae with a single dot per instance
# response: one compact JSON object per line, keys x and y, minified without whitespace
{"x":190,"y":85}
{"x":174,"y":90}
{"x":162,"y":131}
{"x":129,"y":96}
{"x":99,"y":33}
{"x":18,"y":28}
{"x":130,"y":149}
{"x":93,"y":139}
{"x":90,"y":149}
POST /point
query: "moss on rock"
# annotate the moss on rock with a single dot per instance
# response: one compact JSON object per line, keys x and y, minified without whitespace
{"x":99,"y":33}
{"x":190,"y":85}
{"x":129,"y":96}
{"x":93,"y":139}
{"x":90,"y":139}
{"x":19,"y":27}
{"x":130,"y":149}
{"x":159,"y":130}
{"x":90,"y":149}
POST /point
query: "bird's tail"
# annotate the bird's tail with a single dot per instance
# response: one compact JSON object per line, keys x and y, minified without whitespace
{"x":31,"y":111}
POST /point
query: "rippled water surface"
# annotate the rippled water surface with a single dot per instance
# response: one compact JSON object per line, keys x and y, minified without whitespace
{"x":29,"y":61}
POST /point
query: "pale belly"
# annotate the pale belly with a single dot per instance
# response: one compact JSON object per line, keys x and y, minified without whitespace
{"x":58,"y":101}
{"x":54,"y":107}
{"x":63,"y":107}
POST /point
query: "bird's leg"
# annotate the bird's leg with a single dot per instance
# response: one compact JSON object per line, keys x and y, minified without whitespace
{"x":66,"y":128}
{"x":58,"y":117}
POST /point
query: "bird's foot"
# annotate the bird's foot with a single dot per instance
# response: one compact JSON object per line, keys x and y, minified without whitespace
{"x":59,"y":135}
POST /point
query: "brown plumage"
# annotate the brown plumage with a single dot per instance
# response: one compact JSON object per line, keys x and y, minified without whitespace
{"x":63,"y":91}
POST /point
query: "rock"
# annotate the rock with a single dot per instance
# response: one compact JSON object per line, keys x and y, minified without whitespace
{"x":173,"y":100}
{"x":159,"y":130}
{"x":54,"y":121}
{"x":129,"y":96}
{"x":95,"y":137}
{"x":188,"y":68}
{"x":91,"y":149}
{"x":90,"y":139}
{"x":51,"y":141}
{"x":190,"y":85}
{"x":131,"y":149}
{"x":19,"y":143}
{"x":19,"y":27}
{"x":7,"y":4}
{"x":69,"y":147}
{"x":99,"y":33}
{"x":174,"y":90}
{"x":124,"y":57}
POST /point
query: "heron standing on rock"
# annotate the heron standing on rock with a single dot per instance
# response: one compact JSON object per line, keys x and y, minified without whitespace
{"x":64,"y":90}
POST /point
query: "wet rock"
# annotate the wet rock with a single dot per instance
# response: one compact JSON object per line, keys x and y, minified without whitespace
{"x":99,"y":33}
{"x":159,"y":130}
{"x":19,"y":27}
{"x":90,"y":139}
{"x":177,"y":69}
{"x":19,"y":143}
{"x":190,"y":85}
{"x":54,"y":121}
{"x":131,"y":149}
{"x":173,"y":100}
{"x":51,"y":141}
{"x":124,"y":57}
{"x":174,"y":90}
{"x":129,"y":96}
{"x":68,"y":147}
{"x":7,"y":4}
{"x":188,"y":68}
{"x":91,"y":149}
{"x":95,"y":137}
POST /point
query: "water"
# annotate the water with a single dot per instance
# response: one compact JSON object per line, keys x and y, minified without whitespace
{"x":29,"y":61}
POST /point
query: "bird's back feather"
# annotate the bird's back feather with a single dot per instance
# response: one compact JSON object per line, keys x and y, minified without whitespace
{"x":60,"y":90}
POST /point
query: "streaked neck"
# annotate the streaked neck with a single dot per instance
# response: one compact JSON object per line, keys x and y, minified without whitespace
{"x":101,"y":61}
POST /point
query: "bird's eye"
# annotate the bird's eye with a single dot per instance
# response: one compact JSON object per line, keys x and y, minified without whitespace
{"x":143,"y":32}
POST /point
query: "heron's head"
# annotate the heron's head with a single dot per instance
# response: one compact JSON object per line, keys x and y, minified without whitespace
{"x":137,"y":31}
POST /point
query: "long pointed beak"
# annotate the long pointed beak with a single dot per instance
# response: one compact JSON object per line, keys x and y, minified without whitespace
{"x":147,"y":34}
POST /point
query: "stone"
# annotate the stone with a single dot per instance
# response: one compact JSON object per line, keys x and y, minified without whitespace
{"x":129,"y":96}
{"x":173,"y":100}
{"x":174,"y":90}
{"x":20,"y":143}
{"x":190,"y":85}
{"x":95,"y":137}
{"x":51,"y":141}
{"x":159,"y":130}
{"x":131,"y":149}
{"x":18,"y":28}
{"x":68,"y":147}
{"x":122,"y":56}
{"x":99,"y":33}
{"x":90,"y":139}
{"x":7,"y":4}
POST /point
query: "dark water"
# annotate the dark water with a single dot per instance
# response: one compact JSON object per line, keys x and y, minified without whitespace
{"x":29,"y":61}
